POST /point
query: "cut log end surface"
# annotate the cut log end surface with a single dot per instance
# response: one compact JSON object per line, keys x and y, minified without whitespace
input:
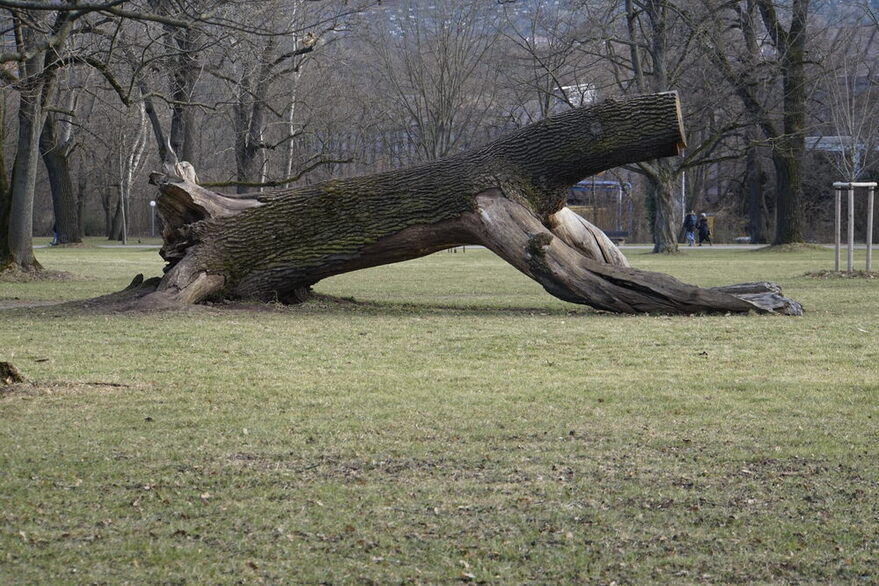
{"x":508,"y":195}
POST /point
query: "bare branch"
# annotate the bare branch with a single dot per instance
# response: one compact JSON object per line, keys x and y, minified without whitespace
{"x":59,"y":5}
{"x":294,"y":53}
{"x":275,"y":183}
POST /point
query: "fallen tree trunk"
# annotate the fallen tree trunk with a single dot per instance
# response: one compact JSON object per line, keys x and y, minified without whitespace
{"x":508,"y":196}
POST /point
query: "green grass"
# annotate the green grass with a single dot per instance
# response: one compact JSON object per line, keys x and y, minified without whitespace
{"x":438,"y":421}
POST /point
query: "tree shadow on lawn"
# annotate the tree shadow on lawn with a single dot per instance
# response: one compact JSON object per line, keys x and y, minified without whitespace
{"x":129,"y":301}
{"x":30,"y":389}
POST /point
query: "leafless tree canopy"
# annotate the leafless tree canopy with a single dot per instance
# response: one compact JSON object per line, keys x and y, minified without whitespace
{"x":282,"y":93}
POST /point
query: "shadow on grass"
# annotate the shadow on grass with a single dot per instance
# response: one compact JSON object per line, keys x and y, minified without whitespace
{"x":788,"y":248}
{"x":30,"y":389}
{"x":318,"y":303}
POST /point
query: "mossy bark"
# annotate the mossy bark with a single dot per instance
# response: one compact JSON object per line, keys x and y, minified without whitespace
{"x":274,"y":246}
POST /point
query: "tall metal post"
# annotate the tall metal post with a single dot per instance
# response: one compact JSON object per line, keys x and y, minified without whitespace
{"x":851,"y":186}
{"x":851,"y":228}
{"x":683,"y":195}
{"x":870,"y":228}
{"x":837,"y":226}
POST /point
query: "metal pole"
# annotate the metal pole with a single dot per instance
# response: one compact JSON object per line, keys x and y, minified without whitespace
{"x":594,"y":203}
{"x":851,"y":228}
{"x":619,"y":207}
{"x":683,"y":195}
{"x":870,"y":229}
{"x":837,"y":226}
{"x":124,"y":216}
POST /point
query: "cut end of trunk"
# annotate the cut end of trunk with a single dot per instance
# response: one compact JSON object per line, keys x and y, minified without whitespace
{"x":682,"y":143}
{"x":182,"y":201}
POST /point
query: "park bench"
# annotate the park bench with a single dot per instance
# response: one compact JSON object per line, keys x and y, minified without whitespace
{"x":617,"y":236}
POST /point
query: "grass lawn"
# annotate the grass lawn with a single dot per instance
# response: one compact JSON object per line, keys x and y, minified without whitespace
{"x":439,"y":421}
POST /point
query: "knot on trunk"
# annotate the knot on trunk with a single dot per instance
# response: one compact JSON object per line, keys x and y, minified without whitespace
{"x":537,"y":243}
{"x":536,"y":249}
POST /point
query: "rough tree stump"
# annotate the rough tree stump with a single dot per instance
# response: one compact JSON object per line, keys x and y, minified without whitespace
{"x":508,"y":195}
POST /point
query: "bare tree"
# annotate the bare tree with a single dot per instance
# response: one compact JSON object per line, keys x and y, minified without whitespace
{"x":42,"y":31}
{"x":849,"y":100}
{"x":34,"y":35}
{"x":432,"y":63}
{"x":648,"y":47}
{"x":758,"y":213}
{"x":544,"y":69}
{"x":57,"y":143}
{"x":784,"y":54}
{"x":129,"y":163}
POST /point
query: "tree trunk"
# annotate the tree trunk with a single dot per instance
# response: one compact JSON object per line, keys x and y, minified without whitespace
{"x":249,"y":119}
{"x":788,"y":149}
{"x":64,"y":201}
{"x":755,"y":196}
{"x":183,"y":79}
{"x":82,"y":187}
{"x":661,"y":200}
{"x":34,"y":81}
{"x":114,"y":222}
{"x":24,"y":177}
{"x":5,"y":203}
{"x":788,"y":191}
{"x":508,"y":196}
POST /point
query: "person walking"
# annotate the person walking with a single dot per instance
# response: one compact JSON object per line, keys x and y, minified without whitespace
{"x":690,"y":228}
{"x":703,"y":230}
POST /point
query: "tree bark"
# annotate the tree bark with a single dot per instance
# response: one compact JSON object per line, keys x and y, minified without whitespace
{"x":508,"y":196}
{"x":754,"y":195}
{"x":788,"y":149}
{"x":82,"y":188}
{"x":5,"y":203}
{"x":183,"y":79}
{"x":24,"y":167}
{"x":64,"y":201}
{"x":660,"y":197}
{"x":114,"y":221}
{"x":24,"y":177}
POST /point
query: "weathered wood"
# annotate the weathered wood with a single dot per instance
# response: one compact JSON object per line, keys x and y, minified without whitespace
{"x":9,"y":374}
{"x":508,"y":195}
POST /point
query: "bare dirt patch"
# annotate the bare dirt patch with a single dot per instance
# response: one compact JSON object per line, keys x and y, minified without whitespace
{"x":17,"y":276}
{"x":18,"y":303}
{"x":35,"y":389}
{"x":796,"y":247}
{"x":826,"y":275}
